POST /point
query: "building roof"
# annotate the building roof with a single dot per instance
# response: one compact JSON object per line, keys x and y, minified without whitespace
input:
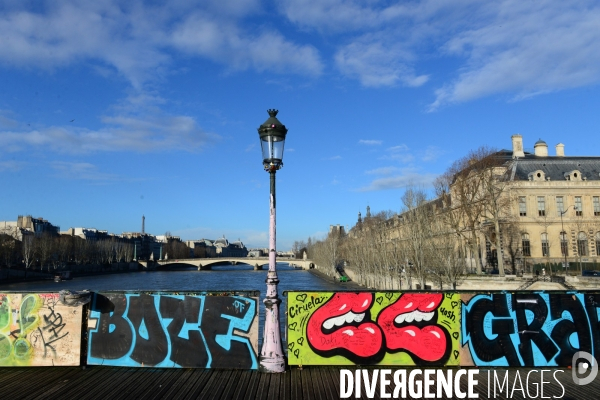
{"x":555,"y":168}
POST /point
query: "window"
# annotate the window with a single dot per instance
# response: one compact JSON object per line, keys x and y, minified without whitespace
{"x":526,"y":244}
{"x":560,"y":205}
{"x":582,"y":248}
{"x":564,"y":244}
{"x":545,"y":245}
{"x":522,"y":206}
{"x":541,"y":206}
{"x":578,"y":206}
{"x":596,"y":201}
{"x":598,"y":244}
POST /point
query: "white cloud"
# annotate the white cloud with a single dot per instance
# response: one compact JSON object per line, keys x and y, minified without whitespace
{"x":11,"y":166}
{"x":398,"y":153}
{"x":382,"y":171}
{"x":407,"y":178}
{"x":377,"y":64}
{"x":83,"y":171}
{"x":146,"y":132}
{"x":432,"y":153}
{"x":515,"y":48}
{"x":525,"y":49}
{"x":334,"y":158}
{"x":138,"y":40}
{"x":518,"y":49}
{"x":7,"y":120}
{"x":200,"y":34}
{"x":370,"y":142}
{"x":339,"y":15}
{"x":401,"y":147}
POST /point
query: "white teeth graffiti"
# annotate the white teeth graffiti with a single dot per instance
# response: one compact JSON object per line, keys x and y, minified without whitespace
{"x":351,"y":333}
{"x":415,"y":315}
{"x":343,"y":319}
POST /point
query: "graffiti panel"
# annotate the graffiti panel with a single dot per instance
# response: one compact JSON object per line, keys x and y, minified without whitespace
{"x":173,"y":330}
{"x":529,"y":328}
{"x":36,"y":329}
{"x":384,"y":328}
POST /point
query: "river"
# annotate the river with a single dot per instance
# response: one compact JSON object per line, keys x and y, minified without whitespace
{"x":221,"y":278}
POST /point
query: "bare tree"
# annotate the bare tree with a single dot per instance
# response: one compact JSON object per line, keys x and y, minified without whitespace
{"x":7,"y":250}
{"x":418,"y":216}
{"x":28,"y":248}
{"x":129,"y":252}
{"x":581,"y":234}
{"x":474,"y":190}
{"x":512,"y":242}
{"x":449,"y":261}
{"x":45,"y":248}
{"x":327,"y":252}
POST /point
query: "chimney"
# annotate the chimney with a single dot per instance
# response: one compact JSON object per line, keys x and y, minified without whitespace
{"x":560,"y":150}
{"x":541,"y":148}
{"x":517,"y":146}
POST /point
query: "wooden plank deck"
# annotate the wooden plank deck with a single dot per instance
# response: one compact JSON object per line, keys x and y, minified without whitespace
{"x":101,"y":382}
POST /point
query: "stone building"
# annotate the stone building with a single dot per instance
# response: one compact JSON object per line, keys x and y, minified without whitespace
{"x":202,"y":248}
{"x":145,"y":246}
{"x":230,"y":249}
{"x":551,"y":209}
{"x":548,"y":208}
{"x":555,"y":203}
{"x":28,"y":225}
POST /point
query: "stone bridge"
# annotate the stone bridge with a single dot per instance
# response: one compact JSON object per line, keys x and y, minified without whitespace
{"x":207,"y":263}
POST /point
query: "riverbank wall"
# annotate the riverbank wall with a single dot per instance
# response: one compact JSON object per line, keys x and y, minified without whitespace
{"x":469,"y":282}
{"x":12,"y":275}
{"x":348,"y":327}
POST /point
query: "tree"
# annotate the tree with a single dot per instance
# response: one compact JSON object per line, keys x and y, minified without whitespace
{"x":7,"y":250}
{"x":28,"y":247}
{"x":581,"y":233}
{"x":418,"y":217}
{"x":512,"y":242}
{"x":449,"y":261}
{"x":45,"y":249}
{"x":326,"y":253}
{"x":474,"y":190}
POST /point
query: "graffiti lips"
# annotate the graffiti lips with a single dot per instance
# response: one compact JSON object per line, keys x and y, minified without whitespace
{"x":338,"y":325}
{"x":409,"y":325}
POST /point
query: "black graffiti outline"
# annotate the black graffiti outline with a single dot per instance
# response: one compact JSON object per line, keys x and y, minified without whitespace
{"x":52,"y":326}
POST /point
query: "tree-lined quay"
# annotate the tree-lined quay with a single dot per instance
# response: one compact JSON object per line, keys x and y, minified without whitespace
{"x":498,"y":212}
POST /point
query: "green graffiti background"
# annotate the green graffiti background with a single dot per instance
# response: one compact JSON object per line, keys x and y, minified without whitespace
{"x":301,"y":305}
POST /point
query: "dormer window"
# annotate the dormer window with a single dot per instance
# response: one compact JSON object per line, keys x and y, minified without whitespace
{"x":574,"y":175}
{"x":538,"y":175}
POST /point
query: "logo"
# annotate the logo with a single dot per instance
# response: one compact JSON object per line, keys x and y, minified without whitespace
{"x":579,"y":367}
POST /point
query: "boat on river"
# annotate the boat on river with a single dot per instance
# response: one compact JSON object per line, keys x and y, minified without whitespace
{"x":62,"y":276}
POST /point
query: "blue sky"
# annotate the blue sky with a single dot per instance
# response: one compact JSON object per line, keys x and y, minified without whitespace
{"x":110,"y":110}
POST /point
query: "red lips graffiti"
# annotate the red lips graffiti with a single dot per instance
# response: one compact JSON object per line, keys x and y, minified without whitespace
{"x":343,"y":326}
{"x":338,"y":325}
{"x":399,"y":324}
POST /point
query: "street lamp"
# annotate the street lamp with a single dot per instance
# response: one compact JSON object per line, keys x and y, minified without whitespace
{"x":272,"y":138}
{"x":566,"y":249}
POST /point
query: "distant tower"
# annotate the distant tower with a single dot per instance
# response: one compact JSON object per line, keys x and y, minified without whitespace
{"x":359,"y":218}
{"x":368,"y":212}
{"x":143,"y":224}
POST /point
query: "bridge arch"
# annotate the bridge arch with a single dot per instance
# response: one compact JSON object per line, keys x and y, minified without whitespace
{"x":257,"y":263}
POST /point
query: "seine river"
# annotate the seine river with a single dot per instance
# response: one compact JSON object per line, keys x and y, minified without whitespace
{"x":227,"y":278}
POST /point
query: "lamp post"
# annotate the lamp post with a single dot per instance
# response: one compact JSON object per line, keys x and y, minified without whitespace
{"x":272,"y":138}
{"x":566,"y":249}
